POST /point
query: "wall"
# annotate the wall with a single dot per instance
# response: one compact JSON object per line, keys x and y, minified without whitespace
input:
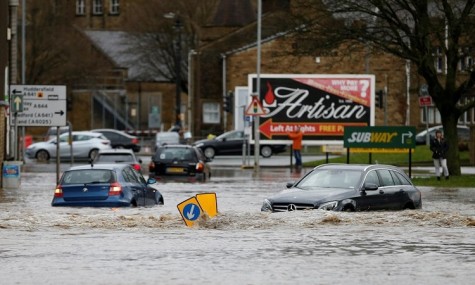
{"x":275,"y":56}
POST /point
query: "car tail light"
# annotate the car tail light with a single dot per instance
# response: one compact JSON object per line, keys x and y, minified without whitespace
{"x":135,"y":141}
{"x":58,"y":192}
{"x":151,"y":166}
{"x":200,"y":167}
{"x":115,"y":189}
{"x":136,"y":166}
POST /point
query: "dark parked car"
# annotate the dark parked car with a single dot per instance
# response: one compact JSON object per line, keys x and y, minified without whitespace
{"x":179,"y":162}
{"x":347,"y":187}
{"x":118,"y":156}
{"x":230,"y":143}
{"x":105,"y":185}
{"x":120,"y":139}
{"x":463,"y":133}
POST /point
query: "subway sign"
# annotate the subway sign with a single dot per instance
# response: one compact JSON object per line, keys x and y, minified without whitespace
{"x":380,"y":137}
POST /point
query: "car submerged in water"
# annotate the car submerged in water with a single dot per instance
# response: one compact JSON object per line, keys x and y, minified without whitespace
{"x":348,"y":187}
{"x":105,"y":185}
{"x":179,"y":163}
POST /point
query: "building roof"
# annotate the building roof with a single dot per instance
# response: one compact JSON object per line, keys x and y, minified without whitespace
{"x":119,"y":48}
{"x":232,"y":13}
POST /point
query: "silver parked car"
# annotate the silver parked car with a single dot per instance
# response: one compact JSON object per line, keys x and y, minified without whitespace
{"x":85,"y":146}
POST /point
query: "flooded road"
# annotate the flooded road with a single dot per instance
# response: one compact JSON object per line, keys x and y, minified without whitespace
{"x":40,"y":244}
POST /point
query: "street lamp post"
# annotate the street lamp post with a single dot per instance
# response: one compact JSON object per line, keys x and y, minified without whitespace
{"x":178,"y":27}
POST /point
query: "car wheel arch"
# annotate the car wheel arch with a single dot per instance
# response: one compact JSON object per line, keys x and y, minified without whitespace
{"x":133,"y":203}
{"x":209,"y":152}
{"x":266,"y":151}
{"x":43,"y":151}
{"x":93,"y":153}
{"x":409,"y":205}
{"x":348,"y":205}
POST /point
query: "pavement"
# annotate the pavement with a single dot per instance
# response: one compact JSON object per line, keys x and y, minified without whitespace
{"x":284,"y":161}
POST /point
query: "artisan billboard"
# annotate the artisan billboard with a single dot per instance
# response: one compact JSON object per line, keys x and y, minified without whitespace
{"x":321,"y":105}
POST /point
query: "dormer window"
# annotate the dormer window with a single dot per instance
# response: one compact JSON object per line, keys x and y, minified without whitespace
{"x":80,"y":7}
{"x":97,"y":8}
{"x":114,"y":7}
{"x":439,"y":60}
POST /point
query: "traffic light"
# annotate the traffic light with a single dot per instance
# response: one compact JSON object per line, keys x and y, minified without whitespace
{"x":379,"y":98}
{"x":228,"y":102}
{"x":69,"y":104}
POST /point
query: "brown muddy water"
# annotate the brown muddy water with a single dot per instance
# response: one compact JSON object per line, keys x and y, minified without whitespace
{"x":40,"y":244}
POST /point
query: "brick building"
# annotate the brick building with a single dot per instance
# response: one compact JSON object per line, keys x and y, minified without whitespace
{"x":123,"y":97}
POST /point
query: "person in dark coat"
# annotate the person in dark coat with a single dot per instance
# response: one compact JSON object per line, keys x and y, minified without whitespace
{"x":439,"y":148}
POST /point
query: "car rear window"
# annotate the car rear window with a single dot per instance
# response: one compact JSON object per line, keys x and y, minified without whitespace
{"x":174,"y":154}
{"x":87,"y":176}
{"x":114,"y":158}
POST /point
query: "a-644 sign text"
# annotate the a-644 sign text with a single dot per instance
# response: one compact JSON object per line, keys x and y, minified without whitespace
{"x":42,"y":105}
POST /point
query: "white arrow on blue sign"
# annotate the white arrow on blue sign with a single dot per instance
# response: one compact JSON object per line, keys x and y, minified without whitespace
{"x":191,"y":212}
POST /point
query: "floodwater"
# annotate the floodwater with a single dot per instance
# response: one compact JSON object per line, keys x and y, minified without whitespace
{"x":40,"y":244}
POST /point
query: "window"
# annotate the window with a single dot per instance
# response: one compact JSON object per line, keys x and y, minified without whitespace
{"x":439,"y":60}
{"x":129,"y":175}
{"x":97,"y":7}
{"x":432,"y":117}
{"x":114,"y":7}
{"x":403,"y":180}
{"x":211,"y":113}
{"x":467,"y":117}
{"x":80,"y":7}
{"x":386,"y":177}
{"x":466,"y":59}
{"x":372,"y":177}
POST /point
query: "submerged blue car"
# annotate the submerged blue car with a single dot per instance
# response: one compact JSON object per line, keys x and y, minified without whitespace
{"x":105,"y":185}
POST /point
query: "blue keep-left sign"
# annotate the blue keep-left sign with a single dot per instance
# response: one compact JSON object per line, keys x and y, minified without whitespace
{"x":191,"y":211}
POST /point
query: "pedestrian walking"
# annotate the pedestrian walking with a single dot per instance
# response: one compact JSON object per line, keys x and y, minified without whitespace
{"x":296,"y":137}
{"x":439,"y":148}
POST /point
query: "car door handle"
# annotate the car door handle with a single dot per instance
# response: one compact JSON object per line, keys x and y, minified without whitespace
{"x":381,"y":192}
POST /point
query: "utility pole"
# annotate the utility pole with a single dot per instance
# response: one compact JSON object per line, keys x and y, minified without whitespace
{"x":13,"y":70}
{"x":4,"y":52}
{"x":178,"y":27}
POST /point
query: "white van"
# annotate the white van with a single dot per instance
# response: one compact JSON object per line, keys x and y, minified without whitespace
{"x":164,"y":138}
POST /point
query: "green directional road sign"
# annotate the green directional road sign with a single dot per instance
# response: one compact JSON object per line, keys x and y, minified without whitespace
{"x":17,"y":103}
{"x":380,"y":137}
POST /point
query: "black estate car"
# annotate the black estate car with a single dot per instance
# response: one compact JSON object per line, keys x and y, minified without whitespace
{"x":348,"y":187}
{"x":120,"y":139}
{"x":230,"y":143}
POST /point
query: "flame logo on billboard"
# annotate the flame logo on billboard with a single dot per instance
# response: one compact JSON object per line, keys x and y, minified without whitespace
{"x":269,"y":98}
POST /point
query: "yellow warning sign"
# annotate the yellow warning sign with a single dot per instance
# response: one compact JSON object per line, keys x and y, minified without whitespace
{"x":191,"y":209}
{"x":208,"y":203}
{"x":255,"y":108}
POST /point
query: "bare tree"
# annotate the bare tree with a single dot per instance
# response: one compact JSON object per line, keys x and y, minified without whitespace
{"x":420,"y":31}
{"x":55,"y":51}
{"x":157,"y":25}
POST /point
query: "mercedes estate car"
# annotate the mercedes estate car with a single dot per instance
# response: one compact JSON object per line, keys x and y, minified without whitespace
{"x":348,"y":187}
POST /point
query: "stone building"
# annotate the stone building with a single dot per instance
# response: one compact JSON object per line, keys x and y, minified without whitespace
{"x":123,"y":97}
